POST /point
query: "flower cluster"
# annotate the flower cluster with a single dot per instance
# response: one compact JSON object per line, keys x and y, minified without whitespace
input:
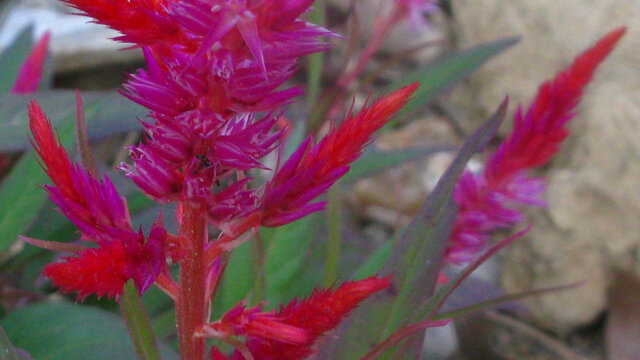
{"x":486,"y":200}
{"x":213,"y":85}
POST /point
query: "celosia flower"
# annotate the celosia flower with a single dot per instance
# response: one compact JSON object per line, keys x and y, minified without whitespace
{"x":312,"y":169}
{"x":211,"y":66}
{"x":101,"y":214}
{"x":30,"y":72}
{"x":298,"y":325}
{"x":28,"y":79}
{"x":487,"y":199}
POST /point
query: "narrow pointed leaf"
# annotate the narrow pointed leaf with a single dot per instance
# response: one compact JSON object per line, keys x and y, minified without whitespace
{"x":114,"y":115}
{"x":12,"y":58}
{"x":415,"y":261}
{"x":440,"y":75}
{"x":435,"y":303}
{"x":374,"y":161}
{"x":500,"y":300}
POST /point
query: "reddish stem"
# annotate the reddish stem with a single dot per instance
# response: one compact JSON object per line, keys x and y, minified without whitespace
{"x":192,"y":307}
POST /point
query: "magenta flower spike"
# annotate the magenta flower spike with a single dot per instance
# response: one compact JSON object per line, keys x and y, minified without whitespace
{"x":487,"y":199}
{"x":30,"y":72}
{"x":102,"y":217}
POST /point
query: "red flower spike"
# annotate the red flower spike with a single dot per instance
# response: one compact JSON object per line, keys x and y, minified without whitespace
{"x":252,"y":322}
{"x":142,"y":22}
{"x":30,"y":72}
{"x":311,"y":170}
{"x":102,"y":216}
{"x":486,"y":199}
{"x":101,"y":271}
{"x":318,"y":314}
{"x":537,"y":134}
{"x":56,"y":162}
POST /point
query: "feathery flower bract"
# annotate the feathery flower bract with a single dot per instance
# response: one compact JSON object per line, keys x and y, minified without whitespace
{"x":486,"y":200}
{"x":312,"y":169}
{"x":321,"y":312}
{"x":30,"y":72}
{"x":101,"y":214}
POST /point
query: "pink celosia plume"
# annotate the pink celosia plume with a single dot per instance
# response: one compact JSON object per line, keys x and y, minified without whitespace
{"x":321,"y":312}
{"x":30,"y":72}
{"x":102,"y":216}
{"x":486,"y":200}
{"x":312,"y":169}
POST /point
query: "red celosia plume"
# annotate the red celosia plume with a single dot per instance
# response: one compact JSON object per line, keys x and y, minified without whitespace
{"x":30,"y":72}
{"x":486,"y":199}
{"x":536,"y":135}
{"x":102,"y":216}
{"x":141,"y":21}
{"x":101,"y":271}
{"x":314,"y":317}
{"x":311,"y":170}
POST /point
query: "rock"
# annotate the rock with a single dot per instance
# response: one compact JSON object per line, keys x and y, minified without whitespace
{"x":592,"y":224}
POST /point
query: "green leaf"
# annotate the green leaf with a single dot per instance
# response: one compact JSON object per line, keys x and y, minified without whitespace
{"x":8,"y":352}
{"x":138,"y":323}
{"x":287,"y":252}
{"x":441,"y":74}
{"x":237,"y":280}
{"x":415,"y":261}
{"x":374,"y":161}
{"x":63,"y":331}
{"x":114,"y":115}
{"x":12,"y":58}
{"x":374,"y":263}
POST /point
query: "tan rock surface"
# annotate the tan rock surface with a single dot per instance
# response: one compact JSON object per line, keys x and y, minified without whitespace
{"x":592,"y":224}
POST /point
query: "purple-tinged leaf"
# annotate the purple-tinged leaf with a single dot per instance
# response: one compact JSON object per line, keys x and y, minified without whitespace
{"x":500,"y":300}
{"x":415,"y":261}
{"x":53,"y":245}
{"x":82,"y":137}
{"x":436,"y":302}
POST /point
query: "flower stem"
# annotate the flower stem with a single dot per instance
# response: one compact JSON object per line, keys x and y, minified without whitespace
{"x":192,"y":307}
{"x":334,"y":242}
{"x":138,"y":323}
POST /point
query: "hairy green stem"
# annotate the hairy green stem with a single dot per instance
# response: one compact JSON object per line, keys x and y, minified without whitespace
{"x":334,"y":241}
{"x":138,"y":323}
